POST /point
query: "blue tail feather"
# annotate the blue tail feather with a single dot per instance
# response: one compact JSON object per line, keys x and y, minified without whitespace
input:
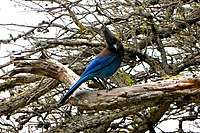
{"x":73,"y":88}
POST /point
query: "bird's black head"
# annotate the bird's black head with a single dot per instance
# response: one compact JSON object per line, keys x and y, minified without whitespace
{"x":112,"y":43}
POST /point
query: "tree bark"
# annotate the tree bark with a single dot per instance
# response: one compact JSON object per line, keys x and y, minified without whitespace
{"x":96,"y":100}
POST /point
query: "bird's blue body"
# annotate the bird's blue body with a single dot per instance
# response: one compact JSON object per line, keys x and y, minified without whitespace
{"x":104,"y":65}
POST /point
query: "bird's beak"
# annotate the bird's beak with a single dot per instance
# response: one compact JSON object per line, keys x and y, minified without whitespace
{"x":109,"y":37}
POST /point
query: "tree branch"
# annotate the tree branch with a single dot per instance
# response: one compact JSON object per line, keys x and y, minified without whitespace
{"x":27,"y":97}
{"x":102,"y":100}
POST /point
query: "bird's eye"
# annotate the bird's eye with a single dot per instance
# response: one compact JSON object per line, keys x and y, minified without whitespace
{"x":112,"y":41}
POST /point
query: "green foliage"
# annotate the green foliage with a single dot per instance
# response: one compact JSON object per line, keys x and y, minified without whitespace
{"x":171,"y":77}
{"x":126,"y":78}
{"x":39,"y":43}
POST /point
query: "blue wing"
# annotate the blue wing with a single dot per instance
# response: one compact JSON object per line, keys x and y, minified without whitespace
{"x":98,"y":63}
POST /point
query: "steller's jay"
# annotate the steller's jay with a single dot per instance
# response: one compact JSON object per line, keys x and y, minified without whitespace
{"x":104,"y":65}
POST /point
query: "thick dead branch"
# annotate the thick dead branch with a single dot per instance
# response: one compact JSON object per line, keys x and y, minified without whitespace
{"x":46,"y":67}
{"x":18,"y":80}
{"x":120,"y":97}
{"x":102,"y":100}
{"x":25,"y":98}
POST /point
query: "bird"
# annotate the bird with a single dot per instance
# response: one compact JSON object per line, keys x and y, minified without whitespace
{"x":104,"y":65}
